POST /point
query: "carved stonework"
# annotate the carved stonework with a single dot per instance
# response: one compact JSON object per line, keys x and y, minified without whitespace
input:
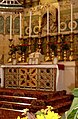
{"x":40,"y":10}
{"x":31,"y":78}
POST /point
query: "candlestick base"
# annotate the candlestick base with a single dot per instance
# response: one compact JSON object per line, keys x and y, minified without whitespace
{"x":47,"y":58}
{"x":10,"y":39}
{"x":10,"y":60}
{"x":20,"y":38}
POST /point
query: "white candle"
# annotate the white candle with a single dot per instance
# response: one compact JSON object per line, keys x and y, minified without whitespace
{"x":10,"y":26}
{"x":71,"y":17}
{"x":58,"y":18}
{"x":20,"y":25}
{"x":30,"y":24}
{"x":47,"y":21}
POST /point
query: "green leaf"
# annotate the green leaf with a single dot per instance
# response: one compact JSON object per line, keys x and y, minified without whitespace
{"x":72,"y":114}
{"x":75,"y":92}
{"x":39,"y":113}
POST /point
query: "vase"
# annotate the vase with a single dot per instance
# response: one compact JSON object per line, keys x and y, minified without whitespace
{"x":14,"y":62}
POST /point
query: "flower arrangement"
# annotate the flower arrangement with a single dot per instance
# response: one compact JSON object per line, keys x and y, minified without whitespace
{"x":65,"y":45}
{"x":13,"y":49}
{"x":53,"y":45}
{"x":47,"y":113}
{"x":22,"y":48}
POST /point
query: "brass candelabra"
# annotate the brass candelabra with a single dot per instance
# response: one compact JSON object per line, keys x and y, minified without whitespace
{"x":47,"y":57}
{"x":10,"y":46}
{"x":71,"y":57}
{"x":58,"y":48}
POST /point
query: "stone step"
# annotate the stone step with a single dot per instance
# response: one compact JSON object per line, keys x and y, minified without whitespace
{"x":58,"y":108}
{"x":17,"y":98}
{"x":35,"y":104}
{"x":6,"y":113}
{"x":59,"y":99}
{"x":34,"y":100}
{"x":14,"y":105}
{"x":39,"y":94}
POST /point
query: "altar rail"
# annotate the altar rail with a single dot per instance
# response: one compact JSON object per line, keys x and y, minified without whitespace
{"x":33,"y":77}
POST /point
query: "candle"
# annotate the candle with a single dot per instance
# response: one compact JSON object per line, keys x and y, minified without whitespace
{"x":58,"y":18}
{"x":30,"y":24}
{"x":47,"y":21}
{"x":10,"y":26}
{"x":20,"y":26}
{"x":71,"y":17}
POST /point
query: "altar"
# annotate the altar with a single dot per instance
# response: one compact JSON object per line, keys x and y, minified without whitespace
{"x":31,"y":77}
{"x":46,"y":76}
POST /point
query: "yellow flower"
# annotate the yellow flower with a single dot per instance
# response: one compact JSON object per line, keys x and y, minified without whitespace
{"x":44,"y":111}
{"x":47,"y":113}
{"x":25,"y":111}
{"x":22,"y":117}
{"x":18,"y":117}
{"x":25,"y":117}
{"x":50,"y":107}
{"x":52,"y":115}
{"x":40,"y":116}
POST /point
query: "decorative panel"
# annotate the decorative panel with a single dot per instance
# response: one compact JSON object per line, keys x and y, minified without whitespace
{"x":11,"y":78}
{"x":40,"y":11}
{"x":26,"y":28}
{"x":66,"y":25}
{"x":29,"y":3}
{"x":17,"y":25}
{"x":30,"y":78}
{"x":47,"y":78}
{"x":34,"y":24}
{"x":8,"y":25}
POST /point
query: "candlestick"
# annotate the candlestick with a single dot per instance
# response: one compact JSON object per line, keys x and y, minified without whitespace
{"x":10,"y":26}
{"x":47,"y":21}
{"x":20,"y":25}
{"x":30,"y":24}
{"x":71,"y":18}
{"x":58,"y":18}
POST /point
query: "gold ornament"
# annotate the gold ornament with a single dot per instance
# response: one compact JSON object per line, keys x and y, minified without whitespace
{"x":10,"y":60}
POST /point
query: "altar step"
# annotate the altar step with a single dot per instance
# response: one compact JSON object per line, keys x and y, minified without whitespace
{"x":6,"y":113}
{"x":34,"y":104}
{"x":19,"y":99}
{"x":16,"y":100}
